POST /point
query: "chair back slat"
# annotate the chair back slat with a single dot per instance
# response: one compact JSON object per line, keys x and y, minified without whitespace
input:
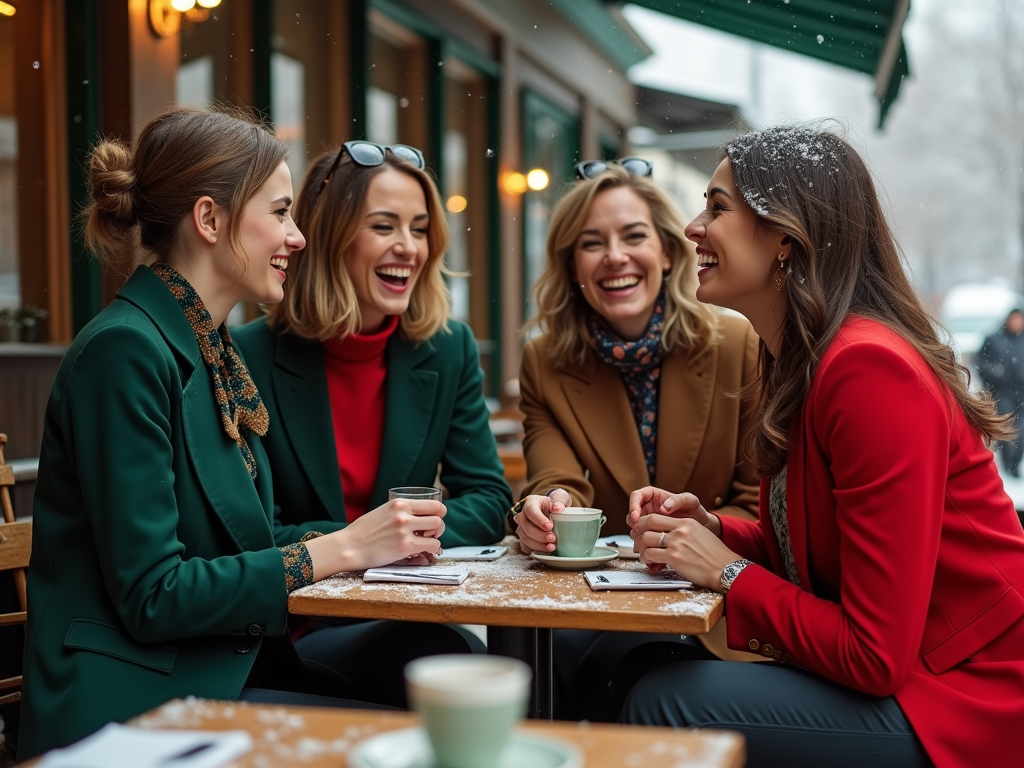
{"x":15,"y":544}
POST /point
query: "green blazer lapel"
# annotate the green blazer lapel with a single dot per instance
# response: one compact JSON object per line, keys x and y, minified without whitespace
{"x":687,"y":391}
{"x":217,"y":461}
{"x":300,"y":384}
{"x":599,"y":402}
{"x":150,"y":294}
{"x":221,"y":469}
{"x":411,"y":393}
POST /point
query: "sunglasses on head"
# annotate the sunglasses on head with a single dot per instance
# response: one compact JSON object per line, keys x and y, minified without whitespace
{"x":591,"y":169}
{"x":369,"y":154}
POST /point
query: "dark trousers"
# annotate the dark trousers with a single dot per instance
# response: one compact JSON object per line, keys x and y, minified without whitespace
{"x":370,"y":656}
{"x":790,"y":718}
{"x":585,"y":664}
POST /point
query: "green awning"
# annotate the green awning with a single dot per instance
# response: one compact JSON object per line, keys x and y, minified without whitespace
{"x":862,"y":35}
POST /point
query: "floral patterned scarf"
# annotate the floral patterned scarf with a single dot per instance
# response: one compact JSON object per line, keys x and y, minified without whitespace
{"x":237,"y":397}
{"x":639,"y":363}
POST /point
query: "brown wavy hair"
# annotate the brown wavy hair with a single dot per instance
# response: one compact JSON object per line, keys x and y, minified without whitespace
{"x":319,"y":299}
{"x":811,"y":185}
{"x":562,"y":311}
{"x":140,"y":194}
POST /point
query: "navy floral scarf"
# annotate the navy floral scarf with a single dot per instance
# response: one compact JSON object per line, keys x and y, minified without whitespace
{"x":639,"y":363}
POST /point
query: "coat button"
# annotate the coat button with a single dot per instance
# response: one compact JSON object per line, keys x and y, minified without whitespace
{"x":243,"y":649}
{"x":753,"y":645}
{"x":255,"y":630}
{"x":777,"y":655}
{"x":718,"y":501}
{"x":767,"y":650}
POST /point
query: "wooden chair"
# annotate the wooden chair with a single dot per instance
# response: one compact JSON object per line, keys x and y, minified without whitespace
{"x":15,"y":548}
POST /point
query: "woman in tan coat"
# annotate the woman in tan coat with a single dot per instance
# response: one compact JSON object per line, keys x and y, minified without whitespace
{"x":632,"y":382}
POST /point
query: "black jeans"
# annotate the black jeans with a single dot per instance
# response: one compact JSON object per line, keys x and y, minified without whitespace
{"x":371,"y":655}
{"x":790,"y":718}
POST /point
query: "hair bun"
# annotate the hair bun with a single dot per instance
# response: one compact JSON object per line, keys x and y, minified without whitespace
{"x":111,"y":178}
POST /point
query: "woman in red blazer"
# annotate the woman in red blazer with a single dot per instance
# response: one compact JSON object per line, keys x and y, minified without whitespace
{"x":885,"y":576}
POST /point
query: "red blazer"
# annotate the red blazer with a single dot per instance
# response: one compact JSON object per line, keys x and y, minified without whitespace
{"x":910,"y":554}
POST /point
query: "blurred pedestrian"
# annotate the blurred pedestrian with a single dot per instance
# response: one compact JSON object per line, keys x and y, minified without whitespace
{"x":1001,"y":365}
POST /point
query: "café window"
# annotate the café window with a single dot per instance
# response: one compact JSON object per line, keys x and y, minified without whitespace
{"x":550,"y":144}
{"x":308,"y":79}
{"x":397,"y":110}
{"x":208,"y":70}
{"x":10,"y":286}
{"x":465,"y":192}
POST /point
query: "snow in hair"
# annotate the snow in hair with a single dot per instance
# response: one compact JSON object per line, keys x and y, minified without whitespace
{"x":795,"y":147}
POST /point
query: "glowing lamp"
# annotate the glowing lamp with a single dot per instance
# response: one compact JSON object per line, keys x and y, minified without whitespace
{"x":537,"y":179}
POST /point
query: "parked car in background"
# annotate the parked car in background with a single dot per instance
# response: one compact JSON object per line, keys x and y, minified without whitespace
{"x":972,"y":311}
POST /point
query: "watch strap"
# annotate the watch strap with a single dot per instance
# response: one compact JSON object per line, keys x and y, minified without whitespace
{"x":731,"y":571}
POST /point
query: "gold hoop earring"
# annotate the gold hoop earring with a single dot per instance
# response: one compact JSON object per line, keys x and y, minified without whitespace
{"x":780,"y":273}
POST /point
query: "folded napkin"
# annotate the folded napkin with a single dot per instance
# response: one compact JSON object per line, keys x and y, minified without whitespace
{"x":418,"y":574}
{"x":667,"y":580}
{"x":122,"y":746}
{"x":492,"y":552}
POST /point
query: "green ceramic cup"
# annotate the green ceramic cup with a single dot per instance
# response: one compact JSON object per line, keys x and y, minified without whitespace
{"x":469,"y":705}
{"x":576,"y":531}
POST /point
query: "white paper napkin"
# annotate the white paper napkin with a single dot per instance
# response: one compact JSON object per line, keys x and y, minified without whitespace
{"x":667,"y":580}
{"x":418,"y":574}
{"x":492,"y":552}
{"x":122,"y":746}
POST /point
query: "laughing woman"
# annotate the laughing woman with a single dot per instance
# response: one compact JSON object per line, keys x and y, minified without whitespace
{"x":628,"y":385}
{"x":370,"y":384}
{"x":156,"y":569}
{"x":886,"y":571}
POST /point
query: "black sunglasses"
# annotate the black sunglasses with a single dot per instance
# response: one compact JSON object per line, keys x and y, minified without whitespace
{"x":591,"y":169}
{"x":369,"y":154}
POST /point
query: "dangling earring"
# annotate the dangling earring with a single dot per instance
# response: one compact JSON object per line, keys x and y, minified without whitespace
{"x":780,"y":273}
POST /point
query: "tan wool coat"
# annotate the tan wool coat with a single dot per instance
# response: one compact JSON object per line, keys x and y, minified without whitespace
{"x":581,"y":434}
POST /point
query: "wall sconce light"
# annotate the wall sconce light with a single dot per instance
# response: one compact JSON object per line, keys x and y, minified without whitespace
{"x":6,"y":9}
{"x":165,"y":15}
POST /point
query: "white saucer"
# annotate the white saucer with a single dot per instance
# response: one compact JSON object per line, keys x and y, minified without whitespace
{"x":621,"y":542}
{"x":409,"y":748}
{"x":601,"y":555}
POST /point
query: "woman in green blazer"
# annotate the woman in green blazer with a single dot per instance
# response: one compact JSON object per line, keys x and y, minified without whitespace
{"x":370,"y":385}
{"x":157,"y":568}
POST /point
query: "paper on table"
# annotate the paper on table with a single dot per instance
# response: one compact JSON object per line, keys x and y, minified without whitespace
{"x":122,"y":746}
{"x":492,"y":552}
{"x":622,"y":542}
{"x":636,"y":580}
{"x":418,"y":574}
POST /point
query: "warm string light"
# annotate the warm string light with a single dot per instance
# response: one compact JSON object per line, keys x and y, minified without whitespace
{"x":6,"y":9}
{"x":456,"y":204}
{"x":516,"y":183}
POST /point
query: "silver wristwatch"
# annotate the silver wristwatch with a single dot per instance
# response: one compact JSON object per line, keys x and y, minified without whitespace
{"x":730,"y":572}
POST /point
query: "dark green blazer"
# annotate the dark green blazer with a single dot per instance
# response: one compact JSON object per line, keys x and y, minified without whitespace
{"x":154,"y":569}
{"x":435,"y":416}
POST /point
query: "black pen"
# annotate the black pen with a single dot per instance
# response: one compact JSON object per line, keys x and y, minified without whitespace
{"x":190,"y":752}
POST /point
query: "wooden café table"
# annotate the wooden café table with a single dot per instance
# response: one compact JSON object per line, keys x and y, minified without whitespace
{"x":320,"y":737}
{"x":521,"y":601}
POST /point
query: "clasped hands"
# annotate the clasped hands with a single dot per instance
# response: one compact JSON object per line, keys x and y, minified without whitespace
{"x":673,"y":529}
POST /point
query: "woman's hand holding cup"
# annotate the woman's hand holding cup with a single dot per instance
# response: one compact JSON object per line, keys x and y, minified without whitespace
{"x":396,"y":530}
{"x":533,"y":524}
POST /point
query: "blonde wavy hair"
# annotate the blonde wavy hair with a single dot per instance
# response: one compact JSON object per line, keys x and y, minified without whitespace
{"x":320,"y":300}
{"x":562,"y":311}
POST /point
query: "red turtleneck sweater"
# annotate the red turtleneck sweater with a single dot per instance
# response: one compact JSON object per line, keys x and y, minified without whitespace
{"x":356,"y":369}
